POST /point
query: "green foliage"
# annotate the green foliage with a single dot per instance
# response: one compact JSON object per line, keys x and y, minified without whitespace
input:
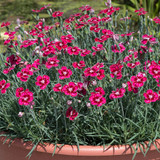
{"x":125,"y":120}
{"x":151,"y":6}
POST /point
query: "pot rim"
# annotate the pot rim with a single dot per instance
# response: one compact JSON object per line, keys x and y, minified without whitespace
{"x":72,"y":150}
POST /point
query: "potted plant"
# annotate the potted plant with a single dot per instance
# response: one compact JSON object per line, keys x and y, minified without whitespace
{"x":85,"y":86}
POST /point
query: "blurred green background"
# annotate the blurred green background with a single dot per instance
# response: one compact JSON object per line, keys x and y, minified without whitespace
{"x":11,"y":9}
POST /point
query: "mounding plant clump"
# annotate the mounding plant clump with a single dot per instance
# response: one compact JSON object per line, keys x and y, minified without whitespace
{"x":90,"y":79}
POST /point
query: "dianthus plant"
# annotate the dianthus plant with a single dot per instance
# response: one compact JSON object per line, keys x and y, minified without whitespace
{"x":90,"y":79}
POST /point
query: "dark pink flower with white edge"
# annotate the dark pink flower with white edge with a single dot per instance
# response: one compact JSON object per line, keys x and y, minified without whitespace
{"x":84,"y":52}
{"x":5,"y":24}
{"x":91,"y":71}
{"x":154,"y":70}
{"x":132,"y":88}
{"x":100,"y":74}
{"x":148,"y":38}
{"x":133,"y":65}
{"x":119,"y":93}
{"x":64,"y":72}
{"x":100,"y":90}
{"x":79,"y":65}
{"x":116,"y":70}
{"x":94,"y":20}
{"x":150,"y":96}
{"x":73,"y":50}
{"x":71,"y":113}
{"x":141,"y":11}
{"x":127,"y":34}
{"x":13,"y":60}
{"x":139,"y":79}
{"x":159,"y":95}
{"x":68,"y":38}
{"x":57,"y":87}
{"x":24,"y":74}
{"x":19,"y":91}
{"x":156,"y":20}
{"x":52,"y":62}
{"x":4,"y":86}
{"x":80,"y":85}
{"x":70,"y":89}
{"x":128,"y":58}
{"x":95,"y":28}
{"x":97,"y":99}
{"x":26,"y":98}
{"x":42,"y":81}
{"x":57,"y":14}
{"x":115,"y":48}
{"x":99,"y":65}
{"x":61,"y":45}
{"x":99,"y":47}
{"x":85,"y":8}
{"x":101,"y":39}
{"x":108,"y":32}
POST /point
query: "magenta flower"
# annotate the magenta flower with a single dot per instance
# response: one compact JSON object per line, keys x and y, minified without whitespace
{"x":150,"y":96}
{"x":159,"y":95}
{"x":141,"y":11}
{"x":57,"y":14}
{"x":19,"y":91}
{"x":4,"y":86}
{"x":84,"y":52}
{"x":154,"y":70}
{"x":133,"y":65}
{"x":85,"y":8}
{"x":73,"y":50}
{"x":99,"y":47}
{"x":64,"y":72}
{"x":70,"y":89}
{"x":91,"y":71}
{"x":148,"y":38}
{"x":138,"y":81}
{"x":128,"y":58}
{"x":115,"y":48}
{"x":71,"y":113}
{"x":42,"y":81}
{"x":68,"y":38}
{"x":61,"y":45}
{"x":119,"y":93}
{"x":48,"y":50}
{"x":94,"y":20}
{"x":13,"y":60}
{"x":132,"y":88}
{"x":108,"y":33}
{"x":156,"y":20}
{"x":100,"y":74}
{"x":25,"y":98}
{"x":97,"y":99}
{"x":116,"y":70}
{"x":79,"y":65}
{"x":24,"y":74}
{"x":101,"y":39}
{"x":95,"y":28}
{"x":57,"y":87}
{"x":100,"y":90}
{"x":52,"y":62}
{"x":5,"y":24}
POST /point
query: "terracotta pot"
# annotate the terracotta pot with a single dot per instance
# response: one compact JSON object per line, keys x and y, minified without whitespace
{"x":18,"y":151}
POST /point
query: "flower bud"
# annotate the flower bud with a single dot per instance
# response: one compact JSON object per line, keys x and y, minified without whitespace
{"x":88,"y":104}
{"x":69,"y":102}
{"x":20,"y":114}
{"x":94,"y":82}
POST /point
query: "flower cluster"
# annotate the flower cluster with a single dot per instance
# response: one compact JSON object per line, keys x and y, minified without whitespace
{"x":86,"y":61}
